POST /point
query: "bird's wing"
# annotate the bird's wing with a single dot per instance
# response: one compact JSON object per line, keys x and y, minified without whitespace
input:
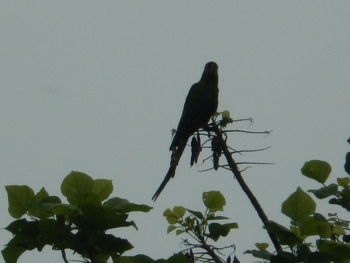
{"x":188,"y":117}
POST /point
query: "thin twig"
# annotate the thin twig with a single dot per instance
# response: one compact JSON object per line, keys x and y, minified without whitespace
{"x":64,"y":256}
{"x":251,"y":132}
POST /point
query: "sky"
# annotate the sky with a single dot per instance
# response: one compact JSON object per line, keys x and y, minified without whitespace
{"x":97,"y":87}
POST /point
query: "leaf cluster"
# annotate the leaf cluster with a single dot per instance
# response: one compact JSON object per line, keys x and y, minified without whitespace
{"x":201,"y":226}
{"x":331,"y":233}
{"x":79,"y":225}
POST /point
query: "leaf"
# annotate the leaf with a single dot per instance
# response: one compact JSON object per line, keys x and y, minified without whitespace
{"x":12,"y":253}
{"x":178,"y":258}
{"x":179,"y":231}
{"x":213,"y":217}
{"x":326,"y":191}
{"x":317,"y":170}
{"x":344,"y":182}
{"x":76,"y":186}
{"x":103,"y":188}
{"x":42,"y":194}
{"x":196,"y":213}
{"x":179,"y":211}
{"x":123,"y":205}
{"x":298,"y":205}
{"x":216,"y":230}
{"x":170,"y":217}
{"x":337,"y":250}
{"x":284,"y":235}
{"x":214,"y":201}
{"x":20,"y":198}
{"x":311,"y":226}
{"x":171,"y":228}
{"x":262,"y":246}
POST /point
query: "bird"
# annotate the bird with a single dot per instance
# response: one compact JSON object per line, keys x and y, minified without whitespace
{"x":200,"y":104}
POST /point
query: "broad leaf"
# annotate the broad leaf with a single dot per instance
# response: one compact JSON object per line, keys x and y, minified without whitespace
{"x":123,"y":205}
{"x":298,"y":205}
{"x":179,"y":211}
{"x":311,"y":226}
{"x":317,"y":170}
{"x":12,"y":253}
{"x":20,"y":198}
{"x":326,"y":191}
{"x":76,"y":186}
{"x":197,"y":214}
{"x":344,"y":182}
{"x":214,"y":201}
{"x":103,"y":188}
{"x":216,"y":230}
{"x":284,"y":235}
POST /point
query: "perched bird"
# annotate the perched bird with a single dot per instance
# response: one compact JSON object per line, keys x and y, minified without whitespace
{"x":201,"y":103}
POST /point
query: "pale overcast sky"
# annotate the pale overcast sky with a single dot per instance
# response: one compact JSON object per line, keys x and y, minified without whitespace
{"x":97,"y":86}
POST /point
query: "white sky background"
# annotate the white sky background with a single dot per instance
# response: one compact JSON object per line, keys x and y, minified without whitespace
{"x":97,"y":86}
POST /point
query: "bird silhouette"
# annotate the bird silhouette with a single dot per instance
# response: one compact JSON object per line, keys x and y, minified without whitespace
{"x":201,"y":103}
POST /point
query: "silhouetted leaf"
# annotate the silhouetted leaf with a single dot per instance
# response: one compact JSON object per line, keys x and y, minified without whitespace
{"x":326,"y":191}
{"x":123,"y":205}
{"x":317,"y":170}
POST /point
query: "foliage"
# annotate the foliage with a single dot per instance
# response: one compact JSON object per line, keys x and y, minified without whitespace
{"x":201,"y":226}
{"x":311,"y":236}
{"x":79,"y":225}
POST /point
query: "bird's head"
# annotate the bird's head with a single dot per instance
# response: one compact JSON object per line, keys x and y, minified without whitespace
{"x":211,"y":68}
{"x":210,"y":72}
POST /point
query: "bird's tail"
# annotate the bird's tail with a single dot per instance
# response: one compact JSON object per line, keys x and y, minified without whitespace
{"x":175,"y":157}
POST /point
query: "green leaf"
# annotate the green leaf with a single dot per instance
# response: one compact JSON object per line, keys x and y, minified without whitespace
{"x":170,"y":217}
{"x":76,"y":186}
{"x":12,"y":253}
{"x":226,"y":118}
{"x":196,"y":213}
{"x":103,"y":188}
{"x":213,"y":217}
{"x":178,"y":258}
{"x":310,"y":226}
{"x":214,"y":201}
{"x":179,"y":211}
{"x":326,"y":191}
{"x":298,"y":205}
{"x":317,"y":170}
{"x":123,"y":205}
{"x":216,"y":230}
{"x":284,"y":235}
{"x":340,"y":252}
{"x":20,"y":198}
{"x":347,"y":163}
{"x":344,"y":182}
{"x":42,"y":194}
{"x":171,"y":228}
{"x":262,"y":246}
{"x":179,"y":231}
